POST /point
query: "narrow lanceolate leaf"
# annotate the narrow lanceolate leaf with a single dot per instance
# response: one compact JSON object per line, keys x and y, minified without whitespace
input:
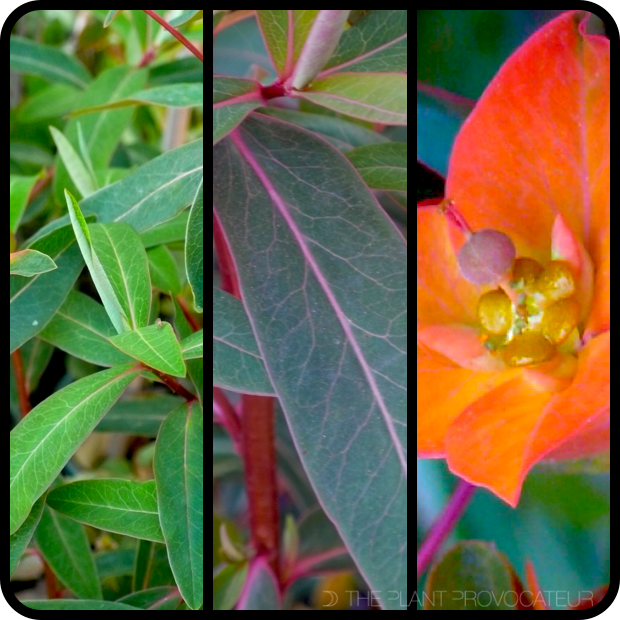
{"x":183,"y":18}
{"x":45,"y":61}
{"x":81,"y":327}
{"x":382,"y":166}
{"x":155,"y":193}
{"x":324,"y":276}
{"x":192,"y":346}
{"x":319,"y":46}
{"x":120,"y":506}
{"x":30,"y":263}
{"x":194,"y":250}
{"x":171,"y":96}
{"x":102,"y":283}
{"x":237,"y":361}
{"x":34,"y":301}
{"x":374,"y":97}
{"x":233,"y":100}
{"x":74,"y":164}
{"x":156,"y":346}
{"x":65,"y":547}
{"x":178,"y":469}
{"x":64,"y":605}
{"x":44,"y":441}
{"x":125,"y":264}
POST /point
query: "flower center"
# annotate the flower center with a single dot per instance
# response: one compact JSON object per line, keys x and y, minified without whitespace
{"x":538,"y":317}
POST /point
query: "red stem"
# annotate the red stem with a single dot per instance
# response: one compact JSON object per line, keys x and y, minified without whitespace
{"x":175,"y":33}
{"x":259,"y":458}
{"x":444,"y":524}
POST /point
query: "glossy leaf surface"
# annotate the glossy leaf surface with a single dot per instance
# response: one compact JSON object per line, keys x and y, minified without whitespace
{"x":119,"y":506}
{"x":156,"y":345}
{"x":43,"y":442}
{"x":324,"y":276}
{"x":178,"y":469}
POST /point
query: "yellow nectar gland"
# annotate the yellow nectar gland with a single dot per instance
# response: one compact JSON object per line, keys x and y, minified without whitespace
{"x":544,"y":316}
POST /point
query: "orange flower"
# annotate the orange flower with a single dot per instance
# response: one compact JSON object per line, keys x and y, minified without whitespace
{"x":531,"y":161}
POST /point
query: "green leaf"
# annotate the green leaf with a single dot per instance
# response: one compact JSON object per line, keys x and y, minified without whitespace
{"x":155,"y":193}
{"x":120,"y":506}
{"x":194,"y":367}
{"x":237,"y":362}
{"x":374,"y":97}
{"x":382,"y":166}
{"x":139,"y":416}
{"x":21,"y":538}
{"x":73,"y":162}
{"x":156,"y":346}
{"x":20,"y":188}
{"x":233,"y":100}
{"x":44,"y":441}
{"x":123,"y":259}
{"x":65,"y":547}
{"x":178,"y":470}
{"x":35,"y":300}
{"x":376,"y":43}
{"x":100,"y":279}
{"x":110,"y":17}
{"x":281,"y":28}
{"x":324,"y":277}
{"x":103,"y":130}
{"x":192,"y":346}
{"x":194,"y":249}
{"x":81,"y":327}
{"x":261,"y":590}
{"x":30,"y":263}
{"x":164,"y":270}
{"x":160,"y":598}
{"x":183,"y":18}
{"x":47,"y":62}
{"x":62,"y":605}
{"x":170,"y":95}
{"x":227,"y":586}
{"x":477,"y":567}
